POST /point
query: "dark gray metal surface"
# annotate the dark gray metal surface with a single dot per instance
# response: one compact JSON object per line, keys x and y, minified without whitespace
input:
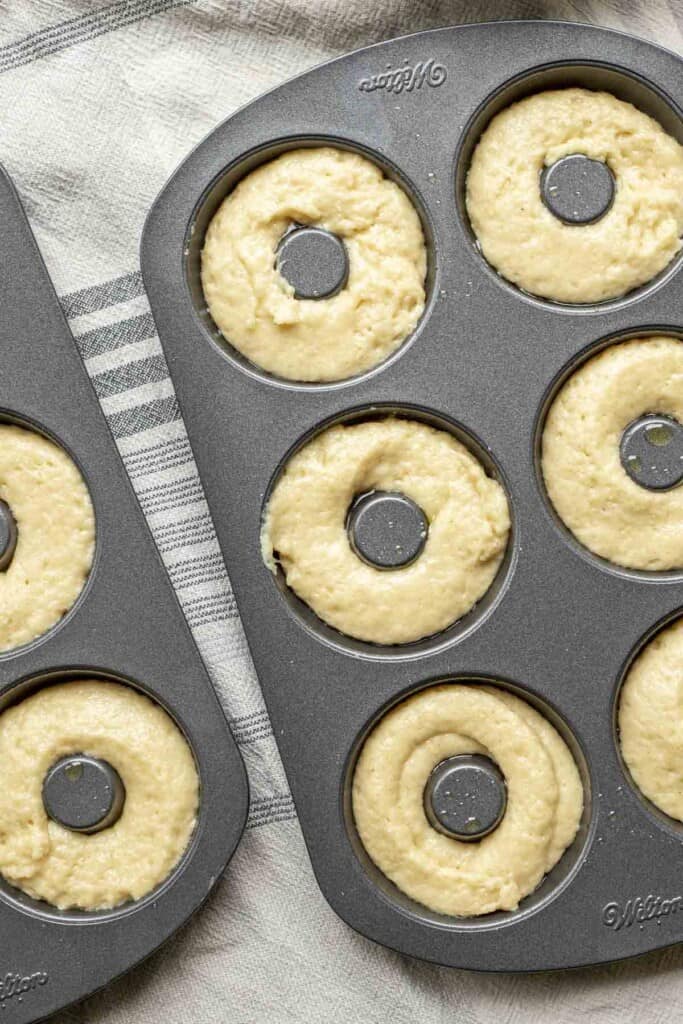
{"x":559,"y":625}
{"x":126,"y":625}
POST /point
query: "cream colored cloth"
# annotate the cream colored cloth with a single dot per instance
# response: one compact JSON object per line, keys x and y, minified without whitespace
{"x":98,"y":103}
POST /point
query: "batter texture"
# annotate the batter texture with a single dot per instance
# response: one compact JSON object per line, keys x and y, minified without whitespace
{"x":315,"y":339}
{"x":527,"y":244}
{"x":651,"y":720}
{"x":604,"y":508}
{"x":131,"y":732}
{"x":544,"y":798}
{"x":55,"y":534}
{"x":305,"y":529}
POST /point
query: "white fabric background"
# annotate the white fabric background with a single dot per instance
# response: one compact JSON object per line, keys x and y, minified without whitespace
{"x":98,"y":103}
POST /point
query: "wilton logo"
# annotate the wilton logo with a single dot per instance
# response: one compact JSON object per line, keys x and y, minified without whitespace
{"x":15,"y":985}
{"x":406,"y":78}
{"x":639,"y":910}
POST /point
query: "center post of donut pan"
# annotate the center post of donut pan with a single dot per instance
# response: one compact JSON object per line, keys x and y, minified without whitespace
{"x":485,"y":356}
{"x":465,"y":797}
{"x":83,"y":794}
{"x":8,"y":536}
{"x":652,"y":452}
{"x":388,"y":530}
{"x":313,"y":261}
{"x":577,"y":189}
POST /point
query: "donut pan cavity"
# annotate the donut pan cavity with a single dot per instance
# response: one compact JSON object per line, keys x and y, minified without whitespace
{"x":127,"y":626}
{"x":558,"y":626}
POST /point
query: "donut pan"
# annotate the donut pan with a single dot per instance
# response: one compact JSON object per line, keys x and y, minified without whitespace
{"x":558,"y":626}
{"x":126,"y":625}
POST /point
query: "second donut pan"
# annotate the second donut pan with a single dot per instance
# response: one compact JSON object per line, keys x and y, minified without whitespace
{"x":127,"y":626}
{"x":558,"y":626}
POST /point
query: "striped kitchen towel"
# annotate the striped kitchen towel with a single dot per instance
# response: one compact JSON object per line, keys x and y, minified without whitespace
{"x":98,"y":103}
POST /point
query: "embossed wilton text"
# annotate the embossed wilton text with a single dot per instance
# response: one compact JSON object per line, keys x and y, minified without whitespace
{"x":639,"y":910}
{"x":405,"y":79}
{"x":16,"y":984}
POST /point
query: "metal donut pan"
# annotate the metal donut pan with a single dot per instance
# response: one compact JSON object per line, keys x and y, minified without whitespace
{"x":558,"y":626}
{"x":126,"y":625}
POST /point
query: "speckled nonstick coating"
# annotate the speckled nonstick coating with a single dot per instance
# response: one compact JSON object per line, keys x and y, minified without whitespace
{"x":127,"y":625}
{"x":558,"y":626}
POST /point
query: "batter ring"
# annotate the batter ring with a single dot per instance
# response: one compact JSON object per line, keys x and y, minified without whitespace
{"x":113,"y":722}
{"x":638,"y":236}
{"x":56,"y":530}
{"x":317,"y":339}
{"x":544,"y":798}
{"x":651,"y":723}
{"x":607,"y":511}
{"x":305,"y":529}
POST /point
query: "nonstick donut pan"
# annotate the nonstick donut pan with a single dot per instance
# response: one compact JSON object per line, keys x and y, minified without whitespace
{"x":126,"y":626}
{"x":558,"y":626}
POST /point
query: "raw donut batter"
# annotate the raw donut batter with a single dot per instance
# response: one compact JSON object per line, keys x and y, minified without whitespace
{"x":56,"y":529}
{"x":544,"y":798}
{"x":315,"y":339}
{"x":604,"y":508}
{"x":305,"y":529}
{"x":127,"y":860}
{"x":650,"y":720}
{"x":527,"y":244}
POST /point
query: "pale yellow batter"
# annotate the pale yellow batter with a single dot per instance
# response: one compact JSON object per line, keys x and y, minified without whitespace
{"x":544,"y":798}
{"x":651,"y":720}
{"x":315,"y":339}
{"x":127,"y":860}
{"x":55,"y":534}
{"x":305,"y":529}
{"x":604,"y":508}
{"x":528,"y":245}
